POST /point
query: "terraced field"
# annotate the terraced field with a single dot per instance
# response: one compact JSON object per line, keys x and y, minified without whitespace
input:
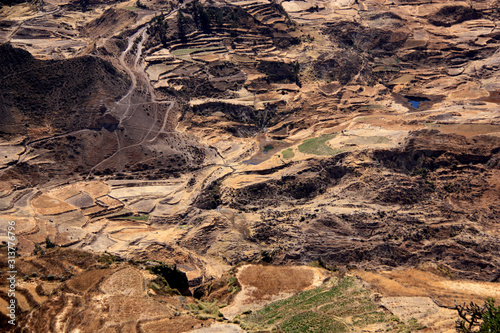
{"x":243,"y":143}
{"x":339,"y":306}
{"x":318,"y":146}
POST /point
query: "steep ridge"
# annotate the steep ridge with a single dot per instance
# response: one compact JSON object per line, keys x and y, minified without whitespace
{"x":64,"y":95}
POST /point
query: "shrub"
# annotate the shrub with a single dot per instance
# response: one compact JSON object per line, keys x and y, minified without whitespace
{"x":49,"y":244}
{"x":491,"y":317}
{"x":475,"y":319}
{"x":38,"y":249}
{"x":231,"y":280}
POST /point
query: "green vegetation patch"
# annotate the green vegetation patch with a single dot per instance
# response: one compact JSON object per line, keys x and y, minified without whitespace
{"x":142,"y":218}
{"x":288,"y":153}
{"x":373,"y":107}
{"x":305,"y":321}
{"x":369,"y":318}
{"x":205,"y":310}
{"x":324,"y":309}
{"x":347,"y":306}
{"x":268,"y":148}
{"x":386,"y":69}
{"x":317,"y":146}
{"x":180,"y":52}
{"x":108,"y":258}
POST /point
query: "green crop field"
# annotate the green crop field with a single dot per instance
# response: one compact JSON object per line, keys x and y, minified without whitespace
{"x":288,"y":153}
{"x":143,"y":218}
{"x":180,"y":52}
{"x":317,"y":146}
{"x":324,"y":309}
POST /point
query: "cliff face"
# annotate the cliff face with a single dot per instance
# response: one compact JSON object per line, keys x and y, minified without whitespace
{"x":434,"y":198}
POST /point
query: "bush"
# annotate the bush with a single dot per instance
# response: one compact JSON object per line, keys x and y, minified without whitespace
{"x":491,"y":318}
{"x":107,"y":258}
{"x":49,"y":244}
{"x":475,"y":319}
{"x":231,"y":280}
{"x":205,"y":310}
{"x":158,"y":28}
{"x":38,"y":249}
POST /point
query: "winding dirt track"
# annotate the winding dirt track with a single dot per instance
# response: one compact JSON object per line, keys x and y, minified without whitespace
{"x":136,"y":73}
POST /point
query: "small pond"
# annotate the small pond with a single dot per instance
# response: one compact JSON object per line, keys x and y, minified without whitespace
{"x":416,"y":101}
{"x":267,"y":148}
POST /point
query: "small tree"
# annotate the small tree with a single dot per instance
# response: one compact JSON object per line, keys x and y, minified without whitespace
{"x":49,"y":244}
{"x":38,"y":249}
{"x":159,"y":27}
{"x":180,"y":25}
{"x":491,"y":317}
{"x":475,"y":319}
{"x":201,"y":17}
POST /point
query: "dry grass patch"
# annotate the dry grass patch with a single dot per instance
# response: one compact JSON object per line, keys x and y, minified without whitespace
{"x":267,"y":281}
{"x":47,"y":205}
{"x":87,"y":280}
{"x":126,"y":282}
{"x":178,"y":324}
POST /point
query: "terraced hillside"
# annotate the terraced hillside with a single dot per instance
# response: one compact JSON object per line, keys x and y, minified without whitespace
{"x":360,"y":136}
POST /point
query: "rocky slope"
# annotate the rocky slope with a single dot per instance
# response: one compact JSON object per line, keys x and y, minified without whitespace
{"x":357,"y":134}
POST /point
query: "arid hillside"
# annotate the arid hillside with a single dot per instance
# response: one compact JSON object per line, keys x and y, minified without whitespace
{"x":359,"y":137}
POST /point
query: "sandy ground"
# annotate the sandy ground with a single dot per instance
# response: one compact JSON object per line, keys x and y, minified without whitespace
{"x":408,"y":294}
{"x":219,"y":328}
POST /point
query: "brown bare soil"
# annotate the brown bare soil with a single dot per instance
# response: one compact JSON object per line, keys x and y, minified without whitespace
{"x":177,"y":325}
{"x":359,"y":135}
{"x":87,"y":280}
{"x":414,"y":282}
{"x":264,"y":282}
